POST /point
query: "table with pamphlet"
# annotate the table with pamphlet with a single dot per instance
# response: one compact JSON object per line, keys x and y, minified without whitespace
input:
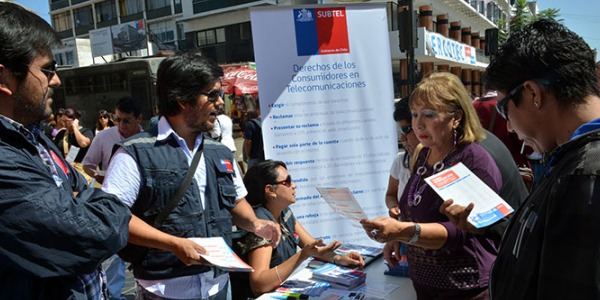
{"x":378,"y":285}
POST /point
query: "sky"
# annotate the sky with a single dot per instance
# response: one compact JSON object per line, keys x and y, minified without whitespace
{"x":580,"y":16}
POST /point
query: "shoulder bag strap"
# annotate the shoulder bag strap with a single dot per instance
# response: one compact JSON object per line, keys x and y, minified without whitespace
{"x":175,"y":198}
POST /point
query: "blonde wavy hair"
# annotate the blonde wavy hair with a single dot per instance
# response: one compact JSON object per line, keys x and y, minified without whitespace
{"x":445,"y":91}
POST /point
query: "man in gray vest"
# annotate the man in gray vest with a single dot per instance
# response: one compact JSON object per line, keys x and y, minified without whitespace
{"x":148,"y":169}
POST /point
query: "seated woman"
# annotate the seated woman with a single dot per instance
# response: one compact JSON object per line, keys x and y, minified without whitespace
{"x":271,"y":191}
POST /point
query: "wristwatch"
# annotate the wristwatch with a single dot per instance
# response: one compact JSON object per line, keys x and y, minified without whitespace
{"x":415,"y":236}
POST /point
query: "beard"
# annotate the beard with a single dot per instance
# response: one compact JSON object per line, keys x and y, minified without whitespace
{"x":30,"y":109}
{"x":196,"y":119}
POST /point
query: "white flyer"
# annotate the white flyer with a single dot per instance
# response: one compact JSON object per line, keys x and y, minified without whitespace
{"x":220,"y":254}
{"x":72,"y":154}
{"x":463,"y":186}
{"x":343,"y":202}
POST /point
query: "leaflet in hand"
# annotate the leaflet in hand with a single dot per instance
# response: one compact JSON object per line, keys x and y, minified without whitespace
{"x":463,"y":186}
{"x":220,"y":254}
{"x":343,"y":202}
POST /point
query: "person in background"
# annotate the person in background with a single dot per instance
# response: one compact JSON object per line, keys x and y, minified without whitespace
{"x":545,"y":75}
{"x":55,"y":230}
{"x":129,"y":116}
{"x":223,"y":131}
{"x":494,"y":123}
{"x":59,"y":125}
{"x":95,"y":164}
{"x":253,"y":139}
{"x":148,"y":168}
{"x":402,"y":165}
{"x":74,"y":141}
{"x":103,"y":121}
{"x":445,"y":261}
{"x":155,"y":118}
{"x":270,"y":192}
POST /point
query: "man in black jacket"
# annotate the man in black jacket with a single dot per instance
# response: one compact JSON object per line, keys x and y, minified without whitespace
{"x":55,"y":231}
{"x":545,"y":76}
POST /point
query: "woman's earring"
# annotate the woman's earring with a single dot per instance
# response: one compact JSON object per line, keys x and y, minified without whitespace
{"x":455,"y":134}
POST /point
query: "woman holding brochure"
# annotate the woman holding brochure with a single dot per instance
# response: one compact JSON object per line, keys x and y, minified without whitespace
{"x":444,"y":261}
{"x":271,"y":191}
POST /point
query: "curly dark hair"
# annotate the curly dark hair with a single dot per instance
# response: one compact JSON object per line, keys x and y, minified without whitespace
{"x":545,"y":50}
{"x":259,"y":176}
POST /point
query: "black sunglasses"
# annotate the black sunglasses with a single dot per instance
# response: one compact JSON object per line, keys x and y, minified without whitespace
{"x":50,"y":71}
{"x":287,"y":182}
{"x":405,"y":130}
{"x":502,"y":105}
{"x":214,"y":95}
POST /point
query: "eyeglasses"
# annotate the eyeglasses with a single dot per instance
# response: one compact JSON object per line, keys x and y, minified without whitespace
{"x":405,"y":130}
{"x":50,"y":71}
{"x":287,"y":182}
{"x":103,"y":117}
{"x":502,"y":105}
{"x":214,"y":95}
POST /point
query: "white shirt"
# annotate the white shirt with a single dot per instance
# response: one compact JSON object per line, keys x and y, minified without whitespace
{"x":224,"y":129}
{"x":123,"y":179}
{"x":100,"y":149}
{"x":399,"y":172}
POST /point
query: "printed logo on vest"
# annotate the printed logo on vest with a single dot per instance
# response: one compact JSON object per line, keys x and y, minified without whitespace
{"x":226,"y":163}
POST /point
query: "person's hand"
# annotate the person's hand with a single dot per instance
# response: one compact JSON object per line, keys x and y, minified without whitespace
{"x":383,"y":229}
{"x":318,"y":249}
{"x":351,"y":260}
{"x":391,"y":253}
{"x":458,"y":215}
{"x":268,"y":230}
{"x":394,"y":212}
{"x":189,"y":252}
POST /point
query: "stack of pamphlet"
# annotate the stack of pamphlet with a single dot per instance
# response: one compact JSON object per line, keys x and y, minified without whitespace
{"x":340,"y":277}
{"x":307,"y":287}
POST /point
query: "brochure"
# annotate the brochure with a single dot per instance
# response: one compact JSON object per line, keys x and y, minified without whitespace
{"x":463,"y":186}
{"x":343,"y":202}
{"x":220,"y":255}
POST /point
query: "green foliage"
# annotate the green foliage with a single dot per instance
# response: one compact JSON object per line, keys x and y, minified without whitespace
{"x":550,"y":13}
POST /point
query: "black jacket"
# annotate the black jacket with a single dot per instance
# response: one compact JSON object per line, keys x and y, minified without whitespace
{"x":48,"y":236}
{"x":551,"y":248}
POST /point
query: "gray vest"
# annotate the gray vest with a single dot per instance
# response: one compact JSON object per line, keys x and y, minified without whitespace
{"x":163,"y":167}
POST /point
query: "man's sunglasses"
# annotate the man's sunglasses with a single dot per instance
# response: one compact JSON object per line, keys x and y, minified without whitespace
{"x":502,"y":105}
{"x":214,"y":95}
{"x":287,"y":182}
{"x":50,"y":71}
{"x":405,"y":130}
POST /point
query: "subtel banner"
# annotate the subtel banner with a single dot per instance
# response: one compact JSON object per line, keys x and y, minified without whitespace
{"x":326,"y":98}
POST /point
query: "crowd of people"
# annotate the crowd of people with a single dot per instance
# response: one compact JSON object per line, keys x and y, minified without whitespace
{"x":178,"y":179}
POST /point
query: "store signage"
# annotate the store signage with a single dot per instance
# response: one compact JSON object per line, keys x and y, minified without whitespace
{"x":445,"y":48}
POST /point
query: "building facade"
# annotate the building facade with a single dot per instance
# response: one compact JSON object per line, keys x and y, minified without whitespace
{"x":221,"y":29}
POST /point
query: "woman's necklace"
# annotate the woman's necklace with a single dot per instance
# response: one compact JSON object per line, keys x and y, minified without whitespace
{"x":415,"y":191}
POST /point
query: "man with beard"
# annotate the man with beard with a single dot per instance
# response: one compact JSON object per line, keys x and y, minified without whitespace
{"x":55,"y":231}
{"x":149,"y":168}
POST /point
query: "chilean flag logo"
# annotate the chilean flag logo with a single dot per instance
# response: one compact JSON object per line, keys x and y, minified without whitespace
{"x":321,"y":31}
{"x":226,"y":163}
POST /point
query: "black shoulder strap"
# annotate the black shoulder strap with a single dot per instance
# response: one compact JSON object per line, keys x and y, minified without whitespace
{"x":175,"y":198}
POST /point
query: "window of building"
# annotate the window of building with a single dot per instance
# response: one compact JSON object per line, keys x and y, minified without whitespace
{"x":62,"y":21}
{"x":156,"y":4}
{"x":106,"y":11}
{"x":130,"y":7}
{"x":162,"y":31}
{"x":245,"y":31}
{"x":70,"y":58}
{"x":58,"y":58}
{"x":83,"y":16}
{"x":211,"y":36}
